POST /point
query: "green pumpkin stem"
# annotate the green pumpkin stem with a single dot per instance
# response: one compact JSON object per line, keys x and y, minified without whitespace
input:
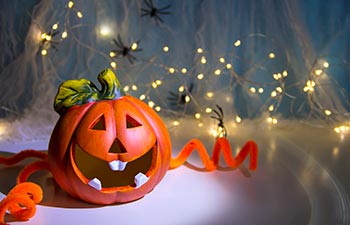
{"x":78,"y":92}
{"x":111,"y":88}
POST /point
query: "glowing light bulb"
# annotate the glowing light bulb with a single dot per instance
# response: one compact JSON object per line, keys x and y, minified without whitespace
{"x":342,"y":129}
{"x":112,"y":54}
{"x":134,"y":46}
{"x":105,"y":30}
{"x":228,"y":66}
{"x":159,"y":82}
{"x":237,"y":43}
{"x":55,"y":26}
{"x":217,"y":72}
{"x":337,"y":130}
{"x":187,"y":98}
{"x":309,"y":87}
{"x":142,"y":97}
{"x":272,"y":55}
{"x":48,"y":37}
{"x":238,"y":119}
{"x":200,"y":76}
{"x":199,"y":50}
{"x":44,"y":52}
{"x":272,"y":120}
{"x":318,"y":72}
{"x":210,"y":94}
{"x":64,"y":34}
{"x":181,"y":88}
{"x":200,"y":124}
{"x":327,"y":112}
{"x":197,"y":116}
{"x":184,"y":70}
{"x":208,"y":110}
{"x":79,"y":14}
{"x":70,"y":4}
{"x":261,"y":90}
{"x":203,"y":60}
{"x":271,"y":108}
{"x":252,"y":90}
{"x":275,"y":76}
{"x":279,"y":89}
{"x":273,"y":94}
{"x":126,"y":88}
{"x":325,"y":64}
{"x":151,"y":104}
{"x":134,"y":87}
{"x":165,"y":48}
{"x":43,"y":36}
{"x":284,"y":73}
{"x":222,"y":60}
{"x":157,"y":108}
{"x":114,"y":65}
{"x":154,"y":85}
{"x":176,"y":123}
{"x":171,"y":70}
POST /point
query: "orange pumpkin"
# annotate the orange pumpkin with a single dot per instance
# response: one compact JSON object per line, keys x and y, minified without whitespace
{"x":106,"y":147}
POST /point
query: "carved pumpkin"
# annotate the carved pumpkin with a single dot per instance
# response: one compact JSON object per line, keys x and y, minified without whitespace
{"x":106,"y":147}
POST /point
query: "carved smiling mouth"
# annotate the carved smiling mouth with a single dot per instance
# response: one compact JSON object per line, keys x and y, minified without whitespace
{"x":101,"y":174}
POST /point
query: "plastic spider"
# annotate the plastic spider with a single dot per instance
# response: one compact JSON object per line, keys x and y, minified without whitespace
{"x":222,"y":132}
{"x":180,"y":99}
{"x":152,"y":11}
{"x":124,"y":50}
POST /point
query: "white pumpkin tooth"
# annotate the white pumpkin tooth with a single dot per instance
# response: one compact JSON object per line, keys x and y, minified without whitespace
{"x":140,"y":179}
{"x":117,"y":165}
{"x":95,"y":183}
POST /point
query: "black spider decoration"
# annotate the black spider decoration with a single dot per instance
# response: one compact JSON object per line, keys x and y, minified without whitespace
{"x":222,"y":132}
{"x":123,"y":50}
{"x":179,"y":99}
{"x":47,"y":41}
{"x":152,"y":11}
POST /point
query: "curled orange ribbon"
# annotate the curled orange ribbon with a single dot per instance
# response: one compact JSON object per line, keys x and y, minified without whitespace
{"x":21,"y":201}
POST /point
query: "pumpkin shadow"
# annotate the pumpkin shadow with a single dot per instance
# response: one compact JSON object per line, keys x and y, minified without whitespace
{"x":54,"y":196}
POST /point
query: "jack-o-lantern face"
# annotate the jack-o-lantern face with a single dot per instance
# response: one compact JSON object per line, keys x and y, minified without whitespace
{"x":109,"y":151}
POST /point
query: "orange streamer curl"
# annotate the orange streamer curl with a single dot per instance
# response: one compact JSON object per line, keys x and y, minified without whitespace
{"x":221,"y":145}
{"x":31,"y":168}
{"x":21,"y":202}
{"x":22,"y":199}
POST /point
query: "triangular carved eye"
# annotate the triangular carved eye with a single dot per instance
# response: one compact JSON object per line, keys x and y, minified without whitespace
{"x":131,"y":122}
{"x":99,"y":124}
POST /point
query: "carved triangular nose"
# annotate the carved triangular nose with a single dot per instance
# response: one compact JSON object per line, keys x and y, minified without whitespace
{"x":117,"y":147}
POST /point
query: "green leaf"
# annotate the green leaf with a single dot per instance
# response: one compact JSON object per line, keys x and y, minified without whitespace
{"x":74,"y":92}
{"x":78,"y":92}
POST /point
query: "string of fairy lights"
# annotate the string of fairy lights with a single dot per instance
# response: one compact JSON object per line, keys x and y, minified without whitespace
{"x":275,"y":90}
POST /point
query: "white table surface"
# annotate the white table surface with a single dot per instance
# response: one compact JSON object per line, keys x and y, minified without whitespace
{"x":302,"y":178}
